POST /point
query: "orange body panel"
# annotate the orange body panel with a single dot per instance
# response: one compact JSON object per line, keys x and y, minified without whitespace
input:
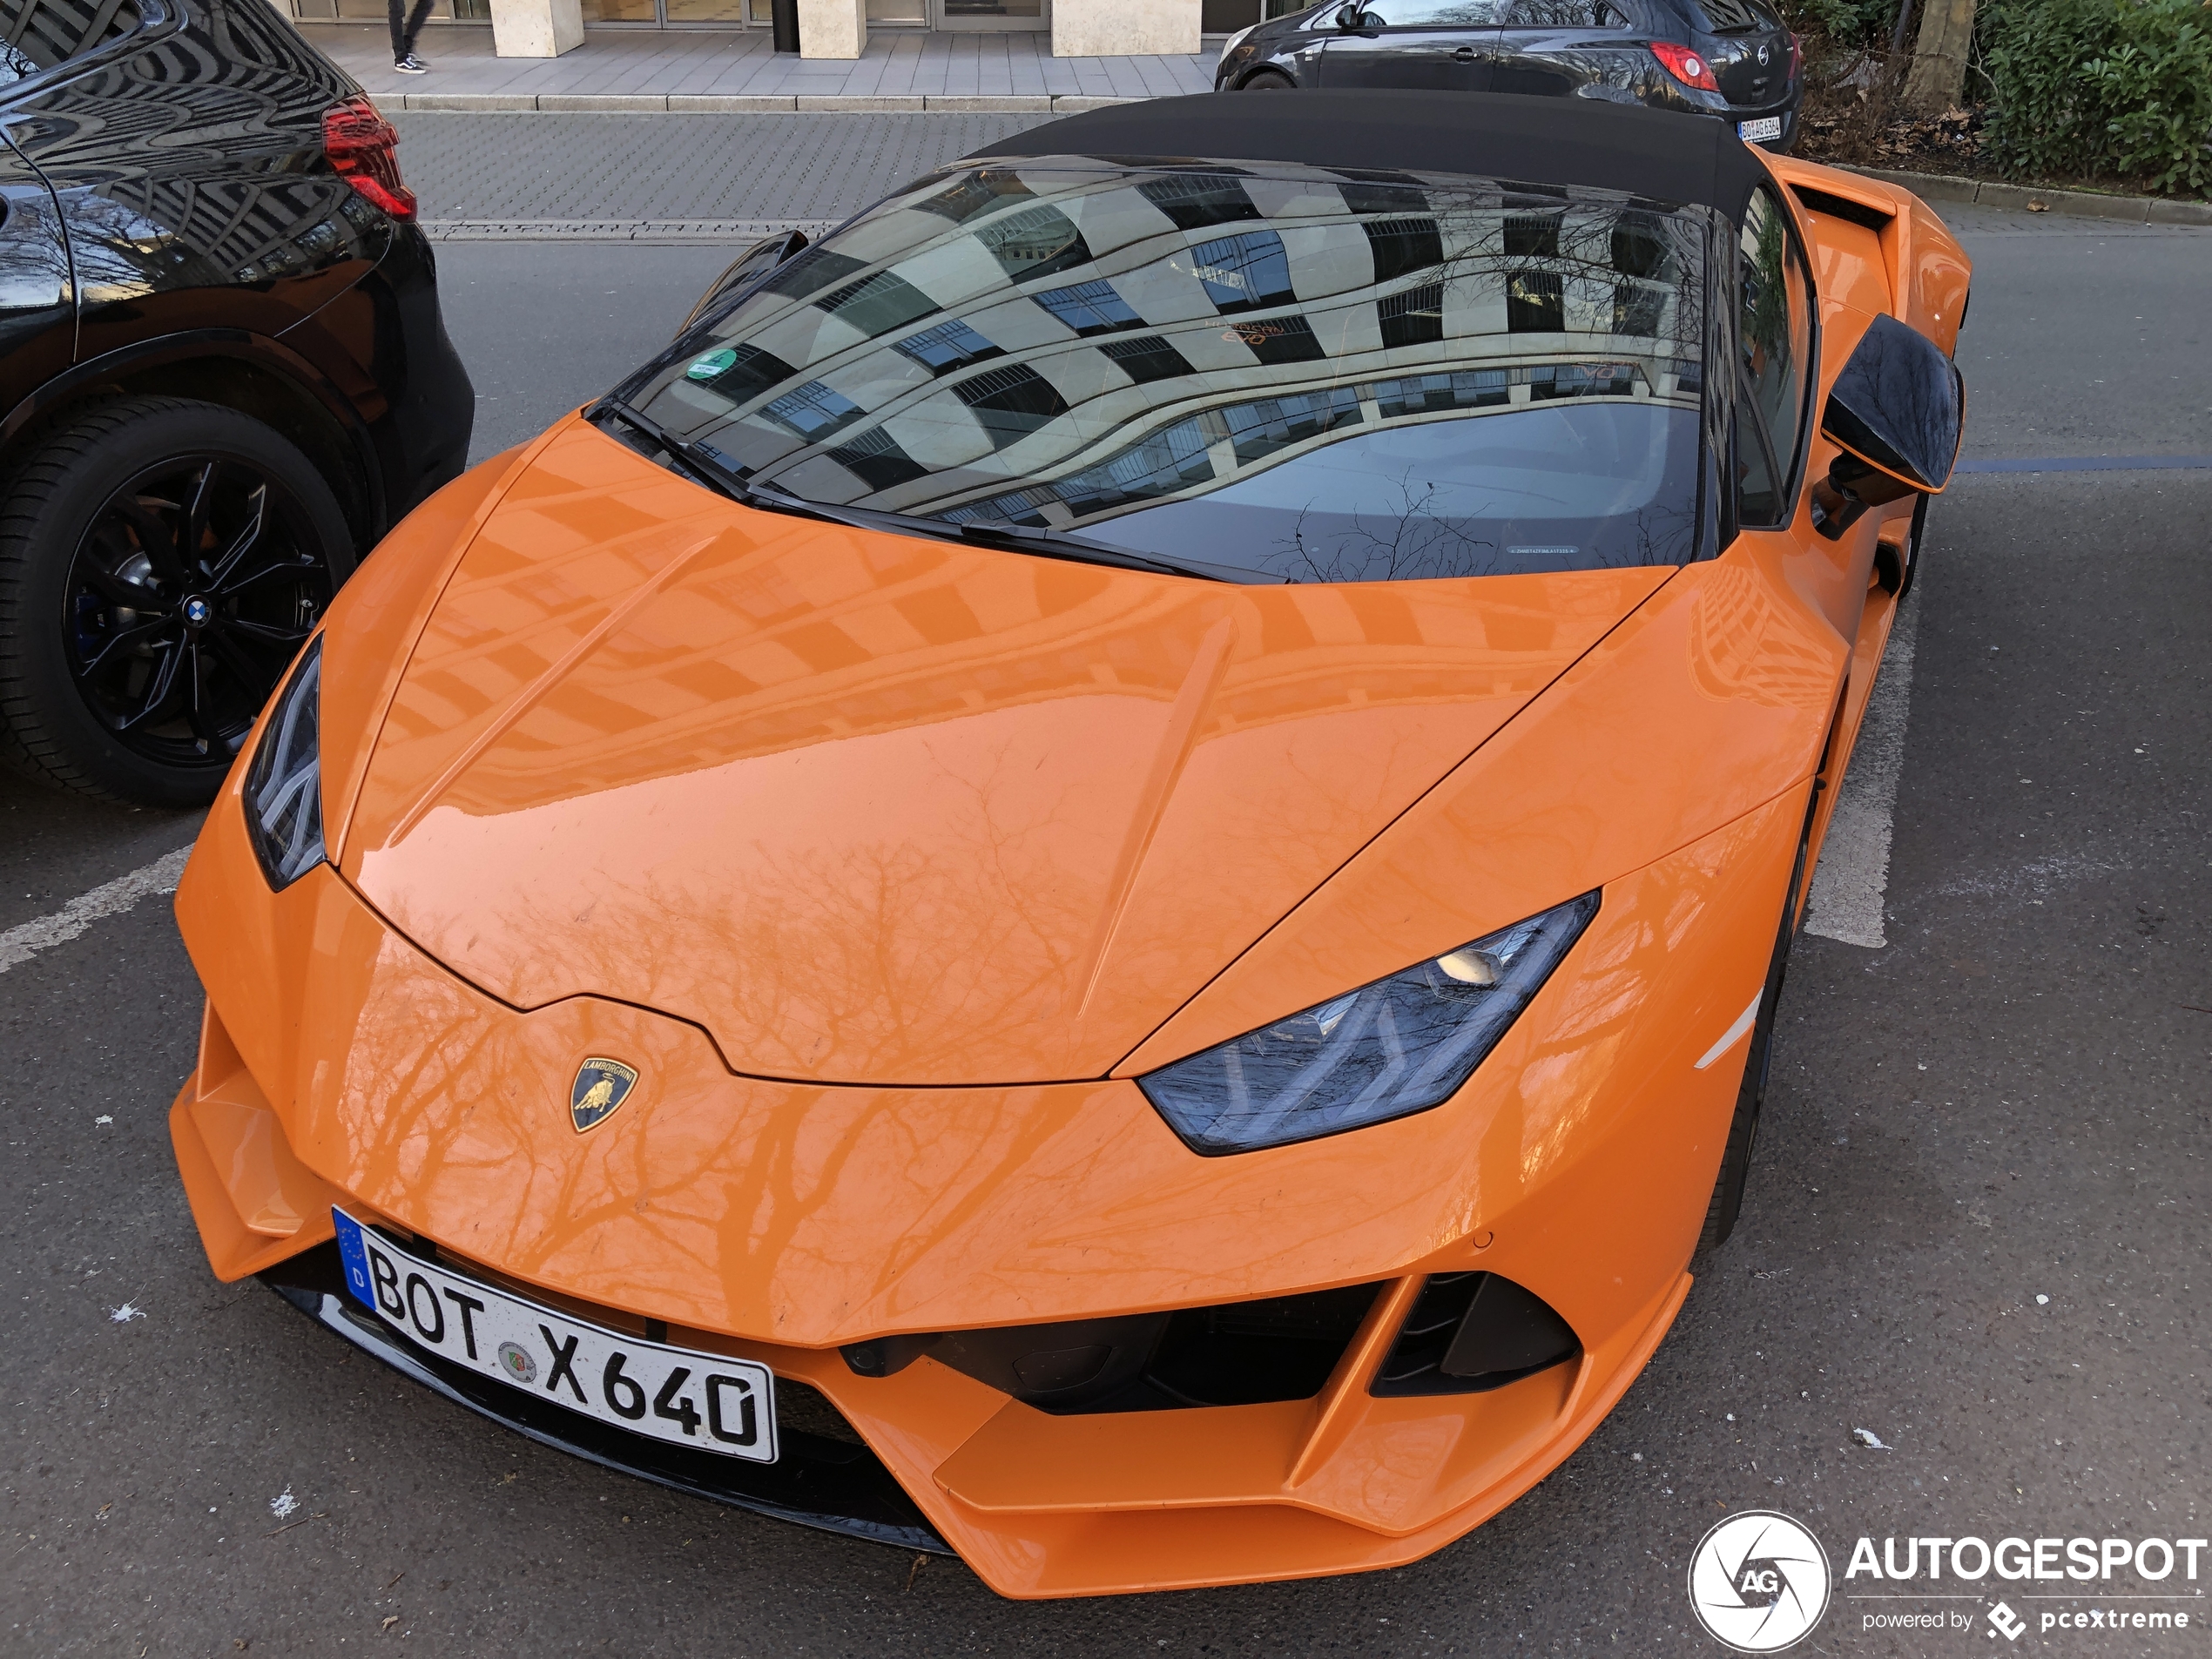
{"x":891,"y":865}
{"x":869,"y":808}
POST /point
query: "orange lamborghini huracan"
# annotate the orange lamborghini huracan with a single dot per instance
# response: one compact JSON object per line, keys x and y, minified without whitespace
{"x":1100,"y":880}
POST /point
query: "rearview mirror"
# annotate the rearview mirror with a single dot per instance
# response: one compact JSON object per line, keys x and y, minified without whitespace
{"x":1897,"y":411}
{"x":756,"y":261}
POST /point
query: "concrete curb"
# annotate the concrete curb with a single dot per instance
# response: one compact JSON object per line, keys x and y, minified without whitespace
{"x":2073,"y":204}
{"x":742,"y":103}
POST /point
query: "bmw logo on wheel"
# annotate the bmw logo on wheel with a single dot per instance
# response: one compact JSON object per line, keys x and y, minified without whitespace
{"x":1758,"y":1581}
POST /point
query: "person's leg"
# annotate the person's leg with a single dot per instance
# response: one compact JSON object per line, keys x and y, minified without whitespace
{"x":404,"y":46}
{"x":397,"y":9}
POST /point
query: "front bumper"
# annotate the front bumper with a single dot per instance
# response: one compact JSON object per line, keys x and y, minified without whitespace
{"x":829,"y":1481}
{"x":779,"y":1221}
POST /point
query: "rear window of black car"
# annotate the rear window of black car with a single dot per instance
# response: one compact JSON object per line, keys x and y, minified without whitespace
{"x":1267,"y":373}
{"x":39,"y":35}
{"x":1728,"y":16}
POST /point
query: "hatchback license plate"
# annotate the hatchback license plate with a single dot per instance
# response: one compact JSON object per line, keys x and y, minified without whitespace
{"x":1767,"y":127}
{"x":707,"y":1401}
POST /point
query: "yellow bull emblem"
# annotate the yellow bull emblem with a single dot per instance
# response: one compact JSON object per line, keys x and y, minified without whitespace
{"x":600,"y":1087}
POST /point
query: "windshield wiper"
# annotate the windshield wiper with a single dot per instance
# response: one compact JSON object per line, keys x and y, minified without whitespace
{"x":705,"y":464}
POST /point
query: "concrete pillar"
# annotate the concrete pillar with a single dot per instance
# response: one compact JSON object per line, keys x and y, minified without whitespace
{"x":832,"y":28}
{"x":535,"y":28}
{"x":1112,"y":27}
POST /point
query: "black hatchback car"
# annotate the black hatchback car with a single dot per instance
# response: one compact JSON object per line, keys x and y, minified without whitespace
{"x":223,"y":376}
{"x":1732,"y":59}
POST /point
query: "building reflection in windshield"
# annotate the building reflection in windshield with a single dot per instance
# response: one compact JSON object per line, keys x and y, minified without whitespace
{"x":1294,"y":373}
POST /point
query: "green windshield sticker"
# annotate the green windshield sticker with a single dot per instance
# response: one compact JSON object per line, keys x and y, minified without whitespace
{"x":715,"y":362}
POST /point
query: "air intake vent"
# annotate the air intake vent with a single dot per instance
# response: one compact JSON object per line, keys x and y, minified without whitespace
{"x":1238,"y":1353}
{"x":1471,"y":1332}
{"x":1851,"y":212}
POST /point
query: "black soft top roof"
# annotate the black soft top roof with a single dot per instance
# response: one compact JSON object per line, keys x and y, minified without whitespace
{"x":1657,"y":154}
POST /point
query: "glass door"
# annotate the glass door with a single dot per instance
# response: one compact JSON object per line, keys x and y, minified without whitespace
{"x":992,"y":14}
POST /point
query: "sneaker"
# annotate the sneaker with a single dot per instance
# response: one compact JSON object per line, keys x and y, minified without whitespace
{"x":411,"y":65}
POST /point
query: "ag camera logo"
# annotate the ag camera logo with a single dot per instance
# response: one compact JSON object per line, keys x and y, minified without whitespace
{"x":1758,"y":1581}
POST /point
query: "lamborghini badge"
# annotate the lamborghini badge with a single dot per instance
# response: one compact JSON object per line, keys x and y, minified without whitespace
{"x":600,"y":1086}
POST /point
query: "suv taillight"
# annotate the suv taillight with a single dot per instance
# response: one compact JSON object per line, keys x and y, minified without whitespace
{"x":1685,"y":65}
{"x":361,"y":145}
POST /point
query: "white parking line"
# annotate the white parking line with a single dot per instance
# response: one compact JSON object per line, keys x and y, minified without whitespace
{"x":1853,"y":877}
{"x":19,"y":944}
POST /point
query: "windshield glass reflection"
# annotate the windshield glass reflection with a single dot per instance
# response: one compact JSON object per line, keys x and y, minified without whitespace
{"x":1281,"y":372}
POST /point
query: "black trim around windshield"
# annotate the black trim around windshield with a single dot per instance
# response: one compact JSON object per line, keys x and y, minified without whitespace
{"x":1790,"y":480}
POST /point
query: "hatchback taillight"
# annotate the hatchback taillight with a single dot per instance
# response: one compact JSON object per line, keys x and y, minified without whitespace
{"x":1797,"y":55}
{"x":362,"y":147}
{"x":1685,"y":65}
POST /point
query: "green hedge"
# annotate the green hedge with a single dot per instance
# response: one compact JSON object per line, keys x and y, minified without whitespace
{"x":2102,"y":86}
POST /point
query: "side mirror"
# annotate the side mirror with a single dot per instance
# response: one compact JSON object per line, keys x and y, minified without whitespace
{"x":756,"y":261}
{"x":1348,"y":17}
{"x":1897,"y":411}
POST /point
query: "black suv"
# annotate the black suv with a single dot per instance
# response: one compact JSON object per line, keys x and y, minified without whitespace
{"x":1734,"y":59}
{"x":223,"y":376}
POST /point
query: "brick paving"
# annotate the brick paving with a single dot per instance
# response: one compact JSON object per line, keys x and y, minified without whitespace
{"x":669,"y":179}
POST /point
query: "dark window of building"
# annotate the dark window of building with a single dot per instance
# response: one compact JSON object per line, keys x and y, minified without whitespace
{"x":947,"y":346}
{"x":1242,"y":273}
{"x":877,"y":459}
{"x":1195,"y":200}
{"x":1479,"y":388}
{"x":1148,"y":359}
{"x":1281,"y":339}
{"x":1160,"y":463}
{"x":1089,"y":308}
{"x":875,"y":305}
{"x":1040,"y":242}
{"x":1532,"y":236}
{"x":810,"y":272}
{"x":1010,"y":402}
{"x":978,"y":192}
{"x":1535,"y":303}
{"x":813,"y":412}
{"x":1378,"y":194}
{"x":1549,"y":380}
{"x":1257,"y":430}
{"x":1413,"y":318}
{"x":1403,"y":246}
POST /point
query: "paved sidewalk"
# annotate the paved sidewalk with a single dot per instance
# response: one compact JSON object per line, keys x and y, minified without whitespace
{"x":738,"y":71}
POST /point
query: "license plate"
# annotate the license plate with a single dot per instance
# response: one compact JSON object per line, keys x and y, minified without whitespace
{"x":707,"y":1401}
{"x":1761,"y":131}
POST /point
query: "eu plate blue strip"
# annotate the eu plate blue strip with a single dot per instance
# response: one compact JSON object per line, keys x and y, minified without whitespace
{"x":356,"y":1257}
{"x":2094,"y":464}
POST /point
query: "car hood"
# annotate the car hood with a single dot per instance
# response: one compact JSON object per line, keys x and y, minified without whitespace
{"x":874,"y":808}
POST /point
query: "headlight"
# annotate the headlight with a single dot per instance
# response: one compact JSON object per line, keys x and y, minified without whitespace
{"x":1399,"y":1046}
{"x":283,"y":790}
{"x":1235,"y":41}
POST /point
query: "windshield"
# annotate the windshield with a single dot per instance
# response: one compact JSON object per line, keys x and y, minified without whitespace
{"x":1264,"y":372}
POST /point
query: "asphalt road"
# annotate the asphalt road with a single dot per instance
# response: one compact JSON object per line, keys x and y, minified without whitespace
{"x":2006,"y":1103}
